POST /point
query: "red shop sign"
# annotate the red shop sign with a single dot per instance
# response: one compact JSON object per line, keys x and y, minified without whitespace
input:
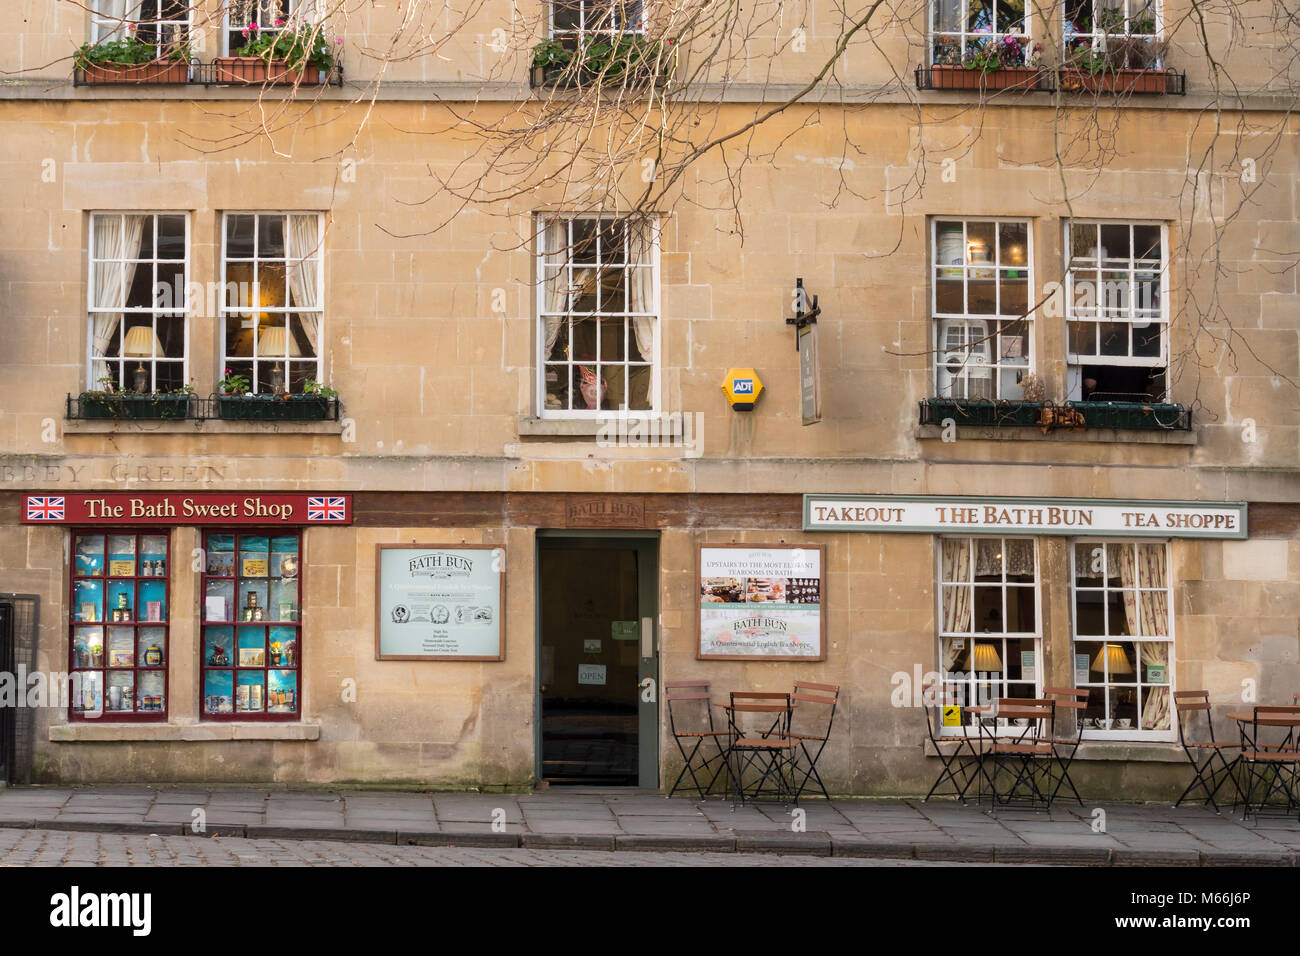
{"x":182,"y":509}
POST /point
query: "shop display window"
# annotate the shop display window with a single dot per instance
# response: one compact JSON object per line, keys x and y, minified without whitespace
{"x":251,"y":648}
{"x":118,"y":625}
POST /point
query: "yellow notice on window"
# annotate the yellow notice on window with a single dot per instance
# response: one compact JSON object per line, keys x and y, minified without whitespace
{"x":254,"y":567}
{"x":952,"y":715}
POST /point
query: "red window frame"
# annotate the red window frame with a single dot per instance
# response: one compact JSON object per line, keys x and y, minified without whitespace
{"x":137,"y":667}
{"x":240,"y":628}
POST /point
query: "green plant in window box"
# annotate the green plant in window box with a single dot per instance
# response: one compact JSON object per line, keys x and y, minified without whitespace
{"x":130,"y":60}
{"x":302,"y":46}
{"x":107,"y":402}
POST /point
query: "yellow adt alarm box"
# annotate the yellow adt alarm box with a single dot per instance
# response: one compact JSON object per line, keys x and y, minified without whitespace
{"x":742,"y":387}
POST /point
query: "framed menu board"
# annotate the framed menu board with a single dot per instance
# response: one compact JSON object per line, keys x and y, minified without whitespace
{"x":440,"y":603}
{"x":761,"y":603}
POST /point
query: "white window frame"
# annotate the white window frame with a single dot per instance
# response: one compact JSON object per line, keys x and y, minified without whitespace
{"x":968,"y":41}
{"x":227,"y":312}
{"x":539,"y":328}
{"x":1099,"y":313}
{"x":995,"y":345}
{"x":584,"y":33}
{"x":1127,"y":7}
{"x":1099,"y":641}
{"x":177,"y":308}
{"x":967,"y":684}
{"x":103,"y":27}
{"x":232,"y":24}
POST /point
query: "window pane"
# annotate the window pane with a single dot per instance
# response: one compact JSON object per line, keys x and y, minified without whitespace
{"x":1083,"y":338}
{"x":239,"y":237}
{"x":1011,"y":16}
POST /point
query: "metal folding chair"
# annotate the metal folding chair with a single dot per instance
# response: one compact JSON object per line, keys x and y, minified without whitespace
{"x":957,"y":754}
{"x":1064,"y":748}
{"x":1273,"y":770}
{"x":685,"y":700}
{"x":805,"y":702}
{"x":1203,"y":754}
{"x":1026,"y":758}
{"x":759,"y":722}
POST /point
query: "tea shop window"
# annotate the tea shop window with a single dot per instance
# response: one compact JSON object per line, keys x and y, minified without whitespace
{"x":1123,"y":638}
{"x":252,"y":629}
{"x":118,"y":625}
{"x":989,"y":622}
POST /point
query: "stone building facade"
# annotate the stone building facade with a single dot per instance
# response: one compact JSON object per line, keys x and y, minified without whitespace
{"x":436,"y":339}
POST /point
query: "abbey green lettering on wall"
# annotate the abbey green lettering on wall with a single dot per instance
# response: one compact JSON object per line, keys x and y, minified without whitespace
{"x":928,"y":514}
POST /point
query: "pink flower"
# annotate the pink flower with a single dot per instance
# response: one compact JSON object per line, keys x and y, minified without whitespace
{"x":279,"y":23}
{"x":339,"y":40}
{"x":253,"y":26}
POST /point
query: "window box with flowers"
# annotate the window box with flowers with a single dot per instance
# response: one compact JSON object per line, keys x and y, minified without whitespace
{"x":108,"y":403}
{"x":316,"y":402}
{"x":279,"y":55}
{"x":1003,"y":63}
{"x":1115,"y":48}
{"x":131,"y":61}
{"x":621,"y":60}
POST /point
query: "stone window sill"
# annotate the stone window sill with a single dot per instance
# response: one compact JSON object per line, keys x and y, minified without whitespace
{"x":665,"y":426}
{"x":1131,"y":436}
{"x":68,"y":733}
{"x":1116,"y":750}
{"x":202,"y":426}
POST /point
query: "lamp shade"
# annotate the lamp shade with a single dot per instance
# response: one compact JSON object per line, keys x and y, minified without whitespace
{"x":985,"y":658}
{"x":140,"y":342}
{"x":272,"y":341}
{"x":1111,"y":659}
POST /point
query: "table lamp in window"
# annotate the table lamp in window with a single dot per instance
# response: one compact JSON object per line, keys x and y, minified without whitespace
{"x":272,"y":342}
{"x":1112,"y":658}
{"x":141,"y":343}
{"x":985,"y":659}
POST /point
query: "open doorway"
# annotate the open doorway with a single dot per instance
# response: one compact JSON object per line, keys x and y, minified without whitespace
{"x":596,"y":608}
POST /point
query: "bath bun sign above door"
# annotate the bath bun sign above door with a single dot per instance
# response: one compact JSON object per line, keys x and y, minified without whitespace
{"x":930,"y":514}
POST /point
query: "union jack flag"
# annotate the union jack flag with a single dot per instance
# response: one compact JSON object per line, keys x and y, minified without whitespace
{"x":45,"y":509}
{"x":326,"y":509}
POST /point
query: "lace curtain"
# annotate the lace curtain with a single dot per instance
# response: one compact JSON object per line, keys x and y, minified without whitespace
{"x":641,"y":292}
{"x":554,"y":283}
{"x":1147,"y":615}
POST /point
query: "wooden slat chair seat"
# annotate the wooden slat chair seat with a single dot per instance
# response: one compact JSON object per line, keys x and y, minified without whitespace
{"x":1210,"y":768}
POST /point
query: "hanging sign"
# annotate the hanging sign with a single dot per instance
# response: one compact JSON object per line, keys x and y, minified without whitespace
{"x":1068,"y":516}
{"x":187,"y":509}
{"x":810,"y":376}
{"x":761,"y":603}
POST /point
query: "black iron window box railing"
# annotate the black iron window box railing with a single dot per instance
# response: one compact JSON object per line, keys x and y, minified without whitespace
{"x":217,"y":73}
{"x":115,"y":405}
{"x":1147,"y":416}
{"x":276,"y":408}
{"x":1122,"y":82}
{"x":979,"y":411}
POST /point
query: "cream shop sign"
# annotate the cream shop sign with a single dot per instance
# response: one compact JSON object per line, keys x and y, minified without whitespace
{"x":930,"y":514}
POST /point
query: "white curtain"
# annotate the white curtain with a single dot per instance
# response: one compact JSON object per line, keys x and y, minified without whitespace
{"x":641,"y":294}
{"x":111,"y":16}
{"x":116,"y":237}
{"x":1016,"y":554}
{"x":956,"y":600}
{"x":304,"y":274}
{"x":554,"y":282}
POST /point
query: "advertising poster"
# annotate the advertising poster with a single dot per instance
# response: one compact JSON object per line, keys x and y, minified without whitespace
{"x":440,"y":603}
{"x":761,"y":603}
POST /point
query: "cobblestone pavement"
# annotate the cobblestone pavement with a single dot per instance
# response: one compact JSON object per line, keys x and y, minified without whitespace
{"x":66,"y":848}
{"x":1098,"y":833}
